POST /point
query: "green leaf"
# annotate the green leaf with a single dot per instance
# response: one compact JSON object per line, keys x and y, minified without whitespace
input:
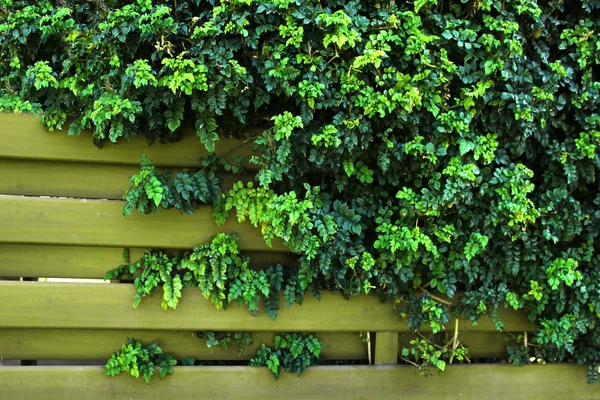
{"x":441,"y":365}
{"x":465,"y":146}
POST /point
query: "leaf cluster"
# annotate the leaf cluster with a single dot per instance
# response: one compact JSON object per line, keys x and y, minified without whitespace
{"x":151,"y":190}
{"x":140,"y":360}
{"x":216,"y":268}
{"x":293,"y":352}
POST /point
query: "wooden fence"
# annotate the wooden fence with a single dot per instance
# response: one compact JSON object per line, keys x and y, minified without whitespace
{"x":60,"y":217}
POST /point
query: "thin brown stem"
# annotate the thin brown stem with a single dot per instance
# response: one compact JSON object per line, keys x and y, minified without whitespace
{"x":454,"y":341}
{"x":369,"y":348}
{"x":410,"y":362}
{"x":436,"y":298}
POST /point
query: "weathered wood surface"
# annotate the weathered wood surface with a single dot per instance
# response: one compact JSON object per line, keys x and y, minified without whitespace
{"x":22,"y":136}
{"x":101,"y":223}
{"x":89,"y":262}
{"x":109,"y":306}
{"x":474,"y":382}
{"x":81,"y":344}
{"x":59,"y":179}
{"x":386,"y":348}
{"x":79,"y":180}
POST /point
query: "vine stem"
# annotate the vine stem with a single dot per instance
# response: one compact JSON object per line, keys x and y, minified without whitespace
{"x":369,"y":347}
{"x":454,"y":341}
{"x":436,"y":298}
{"x":410,"y":362}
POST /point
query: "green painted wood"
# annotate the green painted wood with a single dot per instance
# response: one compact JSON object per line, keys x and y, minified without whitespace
{"x":79,"y":180}
{"x":473,"y":382}
{"x":60,"y":261}
{"x":80,"y":344}
{"x":100,"y":222}
{"x":44,"y":178}
{"x":21,"y":136}
{"x":386,"y":348}
{"x":89,"y":262}
{"x":108,"y":306}
{"x":485,"y":344}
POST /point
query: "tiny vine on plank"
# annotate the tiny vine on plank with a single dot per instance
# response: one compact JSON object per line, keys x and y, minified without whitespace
{"x":222,"y":339}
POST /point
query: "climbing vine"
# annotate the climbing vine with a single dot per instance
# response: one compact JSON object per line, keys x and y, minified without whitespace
{"x":430,"y":147}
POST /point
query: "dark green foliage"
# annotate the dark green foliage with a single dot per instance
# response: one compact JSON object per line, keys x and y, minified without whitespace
{"x":185,"y":191}
{"x":428,"y":146}
{"x":293,"y":352}
{"x":139,"y":360}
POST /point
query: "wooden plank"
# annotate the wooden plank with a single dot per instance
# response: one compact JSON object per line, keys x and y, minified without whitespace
{"x":386,"y":348}
{"x":101,"y":223}
{"x":60,"y":261}
{"x":80,"y":344}
{"x":109,"y":306}
{"x":80,"y":180}
{"x":21,"y":136}
{"x":485,"y":344}
{"x":560,"y":381}
{"x":89,"y":262}
{"x":44,"y":178}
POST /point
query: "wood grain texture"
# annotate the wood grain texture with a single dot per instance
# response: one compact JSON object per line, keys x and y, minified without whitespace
{"x":78,"y":180}
{"x":60,"y":261}
{"x":386,"y":348}
{"x":101,"y":223}
{"x":474,"y":382}
{"x":81,"y":344}
{"x":59,"y":179}
{"x":25,"y":260}
{"x":21,"y":136}
{"x":108,"y":306}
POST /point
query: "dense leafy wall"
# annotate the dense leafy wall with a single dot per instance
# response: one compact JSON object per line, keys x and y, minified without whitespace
{"x":427,"y":146}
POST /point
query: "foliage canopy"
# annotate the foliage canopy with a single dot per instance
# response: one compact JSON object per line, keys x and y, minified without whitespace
{"x":436,"y":146}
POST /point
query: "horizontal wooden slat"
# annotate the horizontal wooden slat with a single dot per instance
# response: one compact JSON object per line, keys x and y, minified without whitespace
{"x":79,"y":344}
{"x":79,"y":180}
{"x":485,"y":344}
{"x":108,"y":306}
{"x":46,"y":178}
{"x":100,"y":222}
{"x":23,"y":260}
{"x":327,"y":382}
{"x":21,"y":136}
{"x":60,"y":261}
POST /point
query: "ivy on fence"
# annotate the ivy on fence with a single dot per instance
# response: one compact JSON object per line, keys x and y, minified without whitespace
{"x":428,"y":146}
